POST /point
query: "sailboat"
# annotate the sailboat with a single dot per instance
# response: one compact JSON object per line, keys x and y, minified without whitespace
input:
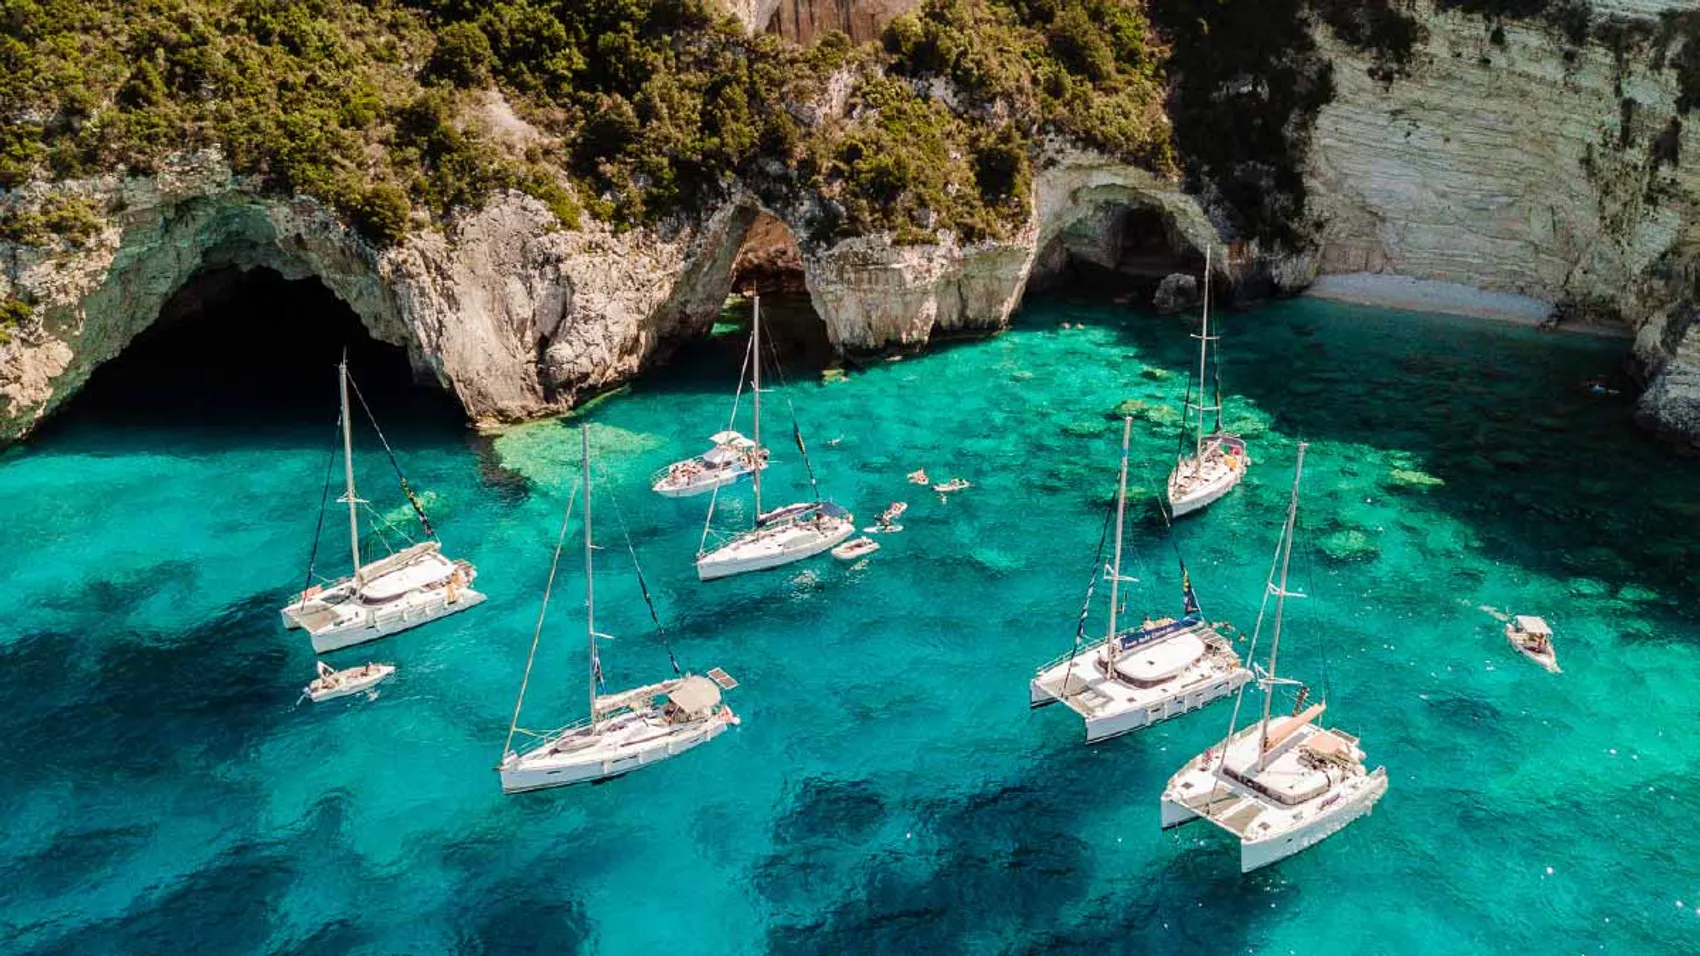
{"x":410,"y":587}
{"x":731,"y":456}
{"x":1218,"y":460}
{"x":1282,"y":784}
{"x":625,"y":730}
{"x":1144,"y":675}
{"x":783,"y":535}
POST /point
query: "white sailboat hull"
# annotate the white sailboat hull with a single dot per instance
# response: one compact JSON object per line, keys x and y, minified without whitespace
{"x":774,"y":546}
{"x":1112,"y":707}
{"x":409,"y":588}
{"x":615,"y":748}
{"x":701,"y":483}
{"x":1268,"y":830}
{"x":1260,"y":853}
{"x":1193,"y":489}
{"x":348,"y":682}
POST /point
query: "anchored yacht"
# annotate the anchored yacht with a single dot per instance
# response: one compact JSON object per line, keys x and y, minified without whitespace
{"x":1218,"y":461}
{"x":626,"y":730}
{"x":1282,"y":784}
{"x":1138,"y":677}
{"x":413,"y":586}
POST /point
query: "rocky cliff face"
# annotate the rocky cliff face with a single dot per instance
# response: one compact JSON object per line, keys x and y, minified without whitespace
{"x":1513,"y":159}
{"x":1507,"y":157}
{"x":514,"y":315}
{"x":803,"y":21}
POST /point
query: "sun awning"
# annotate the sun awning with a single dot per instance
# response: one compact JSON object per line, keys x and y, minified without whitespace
{"x":695,"y":695}
{"x":728,"y":438}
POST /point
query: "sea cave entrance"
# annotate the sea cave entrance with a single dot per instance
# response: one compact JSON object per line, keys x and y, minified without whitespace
{"x":770,"y":261}
{"x":1118,"y":248}
{"x":249,"y":349}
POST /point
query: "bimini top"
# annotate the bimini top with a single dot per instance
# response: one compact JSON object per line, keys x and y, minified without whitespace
{"x":695,"y":695}
{"x":732,"y":438}
{"x":1532,"y":625}
{"x":1157,"y":661}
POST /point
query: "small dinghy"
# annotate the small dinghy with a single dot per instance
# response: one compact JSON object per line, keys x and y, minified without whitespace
{"x":333,"y":683}
{"x":855,"y":548}
{"x":954,"y":484}
{"x":1532,"y":637}
{"x":918,"y":477}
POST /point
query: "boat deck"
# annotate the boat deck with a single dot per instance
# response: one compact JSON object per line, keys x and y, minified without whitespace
{"x":1252,"y":803}
{"x":1082,"y":684}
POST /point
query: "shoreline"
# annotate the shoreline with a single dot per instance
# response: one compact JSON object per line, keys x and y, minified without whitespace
{"x":1388,"y":291}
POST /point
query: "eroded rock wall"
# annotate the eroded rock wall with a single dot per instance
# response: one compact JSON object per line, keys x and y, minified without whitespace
{"x":1511,"y":159}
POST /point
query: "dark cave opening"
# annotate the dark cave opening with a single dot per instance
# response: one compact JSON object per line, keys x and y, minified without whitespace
{"x":1120,"y":250}
{"x":250,"y":349}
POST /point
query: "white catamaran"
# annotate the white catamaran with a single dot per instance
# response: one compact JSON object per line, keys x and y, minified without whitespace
{"x":783,"y":535}
{"x":1218,"y":460}
{"x":413,"y":586}
{"x":730,"y":457}
{"x":626,"y":730}
{"x":1282,"y":784}
{"x":1138,"y":677}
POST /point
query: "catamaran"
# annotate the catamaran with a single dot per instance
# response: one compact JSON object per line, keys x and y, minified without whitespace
{"x":730,"y":457}
{"x":1144,"y":675}
{"x":1282,"y":784}
{"x":783,"y":535}
{"x":628,"y":729}
{"x":1218,"y":460}
{"x":410,"y":587}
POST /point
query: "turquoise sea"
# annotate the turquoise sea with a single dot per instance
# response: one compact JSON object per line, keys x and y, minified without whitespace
{"x":888,"y":790}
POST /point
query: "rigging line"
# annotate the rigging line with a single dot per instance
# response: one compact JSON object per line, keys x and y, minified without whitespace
{"x":1186,"y":411}
{"x":406,"y":489}
{"x":1322,"y":637}
{"x":643,"y":586}
{"x":1215,"y":369}
{"x":1251,"y":651}
{"x":324,"y":502}
{"x":1086,"y":604}
{"x":386,"y":522}
{"x":743,"y":372}
{"x":708,"y":522}
{"x":796,"y":429}
{"x":554,"y":565}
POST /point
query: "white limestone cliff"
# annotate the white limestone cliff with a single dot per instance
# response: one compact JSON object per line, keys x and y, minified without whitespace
{"x":1509,"y":161}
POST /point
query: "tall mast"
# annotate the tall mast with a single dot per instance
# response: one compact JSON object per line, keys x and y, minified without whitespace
{"x":1203,"y":347}
{"x":1280,"y":604}
{"x":348,"y":471}
{"x":589,"y":572}
{"x":1121,"y":512}
{"x":755,"y":366}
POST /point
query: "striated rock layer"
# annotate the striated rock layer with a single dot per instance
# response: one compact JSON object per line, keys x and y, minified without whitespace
{"x":1510,"y":160}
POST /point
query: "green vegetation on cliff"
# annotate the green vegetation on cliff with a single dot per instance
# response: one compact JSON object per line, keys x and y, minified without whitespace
{"x":637,"y":108}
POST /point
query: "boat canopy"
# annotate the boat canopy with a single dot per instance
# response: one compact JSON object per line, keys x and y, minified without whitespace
{"x":695,"y":695}
{"x":1162,"y":660}
{"x":735,"y":439}
{"x":1533,"y":625}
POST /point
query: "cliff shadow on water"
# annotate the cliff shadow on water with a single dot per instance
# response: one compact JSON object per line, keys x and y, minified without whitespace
{"x":1490,"y":424}
{"x":250,"y":357}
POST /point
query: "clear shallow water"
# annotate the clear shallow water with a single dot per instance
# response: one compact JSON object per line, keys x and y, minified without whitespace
{"x":888,"y":790}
